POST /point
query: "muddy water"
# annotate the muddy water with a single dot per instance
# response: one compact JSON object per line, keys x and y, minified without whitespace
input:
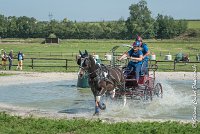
{"x":65,"y":97}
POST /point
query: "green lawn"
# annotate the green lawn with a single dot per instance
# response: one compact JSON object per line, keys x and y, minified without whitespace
{"x":4,"y":74}
{"x":68,"y":49}
{"x":194,"y":24}
{"x":30,"y":125}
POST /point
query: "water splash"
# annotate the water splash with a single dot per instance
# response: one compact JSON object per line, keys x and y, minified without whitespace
{"x":61,"y":99}
{"x":174,"y":104}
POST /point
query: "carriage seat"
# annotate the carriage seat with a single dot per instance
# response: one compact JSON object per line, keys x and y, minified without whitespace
{"x":130,"y":78}
{"x":130,"y":74}
{"x":142,"y":79}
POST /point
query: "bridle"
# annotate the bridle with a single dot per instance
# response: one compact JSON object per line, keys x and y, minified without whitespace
{"x":87,"y":66}
{"x":83,"y":65}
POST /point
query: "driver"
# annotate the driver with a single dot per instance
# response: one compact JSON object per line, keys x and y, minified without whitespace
{"x":135,"y":55}
{"x":146,"y":52}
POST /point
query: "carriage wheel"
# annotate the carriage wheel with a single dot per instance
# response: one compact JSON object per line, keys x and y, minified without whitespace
{"x":148,"y":91}
{"x":158,"y":90}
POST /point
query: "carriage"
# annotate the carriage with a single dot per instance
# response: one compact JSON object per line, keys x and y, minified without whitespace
{"x":145,"y":89}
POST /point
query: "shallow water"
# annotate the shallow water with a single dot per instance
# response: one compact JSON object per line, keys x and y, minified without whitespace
{"x":65,"y":97}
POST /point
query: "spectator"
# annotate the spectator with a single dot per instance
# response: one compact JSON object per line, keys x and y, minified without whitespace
{"x":1,"y":54}
{"x":20,"y":57}
{"x":10,"y":58}
{"x":4,"y":59}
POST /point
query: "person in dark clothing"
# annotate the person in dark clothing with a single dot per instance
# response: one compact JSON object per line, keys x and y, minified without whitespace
{"x":10,"y":58}
{"x":20,"y":58}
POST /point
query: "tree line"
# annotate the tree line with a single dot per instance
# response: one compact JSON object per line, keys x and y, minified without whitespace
{"x":140,"y":22}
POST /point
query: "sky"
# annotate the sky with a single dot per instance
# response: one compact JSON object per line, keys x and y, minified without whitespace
{"x":96,"y":10}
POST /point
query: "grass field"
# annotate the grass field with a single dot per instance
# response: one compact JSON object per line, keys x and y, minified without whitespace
{"x":68,"y":49}
{"x":4,"y":74}
{"x":195,"y":24}
{"x":30,"y":125}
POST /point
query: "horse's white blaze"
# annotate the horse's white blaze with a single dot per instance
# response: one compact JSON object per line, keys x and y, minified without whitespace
{"x":98,"y":98}
{"x":82,"y":60}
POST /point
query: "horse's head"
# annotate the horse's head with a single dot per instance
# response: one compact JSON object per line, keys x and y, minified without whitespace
{"x":84,"y":62}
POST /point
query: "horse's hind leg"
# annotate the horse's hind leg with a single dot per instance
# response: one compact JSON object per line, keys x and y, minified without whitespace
{"x":113,"y":93}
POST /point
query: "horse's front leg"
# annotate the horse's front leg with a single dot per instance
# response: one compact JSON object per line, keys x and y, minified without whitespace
{"x":101,"y":105}
{"x":100,"y":91}
{"x":97,"y":109}
{"x":98,"y":105}
{"x":95,"y":92}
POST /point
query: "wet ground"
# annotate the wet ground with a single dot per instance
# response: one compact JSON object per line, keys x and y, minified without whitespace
{"x":65,"y":97}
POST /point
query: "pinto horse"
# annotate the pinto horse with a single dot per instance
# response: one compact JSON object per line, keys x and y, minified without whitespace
{"x":101,"y":78}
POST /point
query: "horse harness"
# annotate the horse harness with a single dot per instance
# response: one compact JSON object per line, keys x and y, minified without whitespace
{"x":102,"y":73}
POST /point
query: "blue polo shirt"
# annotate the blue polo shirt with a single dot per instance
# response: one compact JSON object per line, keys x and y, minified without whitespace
{"x":137,"y":54}
{"x":145,"y":49}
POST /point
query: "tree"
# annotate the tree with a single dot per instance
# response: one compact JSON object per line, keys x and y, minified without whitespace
{"x":168,"y":28}
{"x":140,"y":21}
{"x":3,"y":26}
{"x":118,"y":30}
{"x":65,"y":29}
{"x":25,"y":26}
{"x":12,"y":31}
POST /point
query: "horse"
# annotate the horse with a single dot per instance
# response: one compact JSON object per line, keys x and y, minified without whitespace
{"x":101,"y":78}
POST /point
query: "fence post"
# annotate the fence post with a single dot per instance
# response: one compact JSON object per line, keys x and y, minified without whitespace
{"x":66,"y":64}
{"x":32,"y":62}
{"x":174,"y":65}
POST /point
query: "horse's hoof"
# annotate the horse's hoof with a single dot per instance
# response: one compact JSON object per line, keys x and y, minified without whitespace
{"x":102,"y":106}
